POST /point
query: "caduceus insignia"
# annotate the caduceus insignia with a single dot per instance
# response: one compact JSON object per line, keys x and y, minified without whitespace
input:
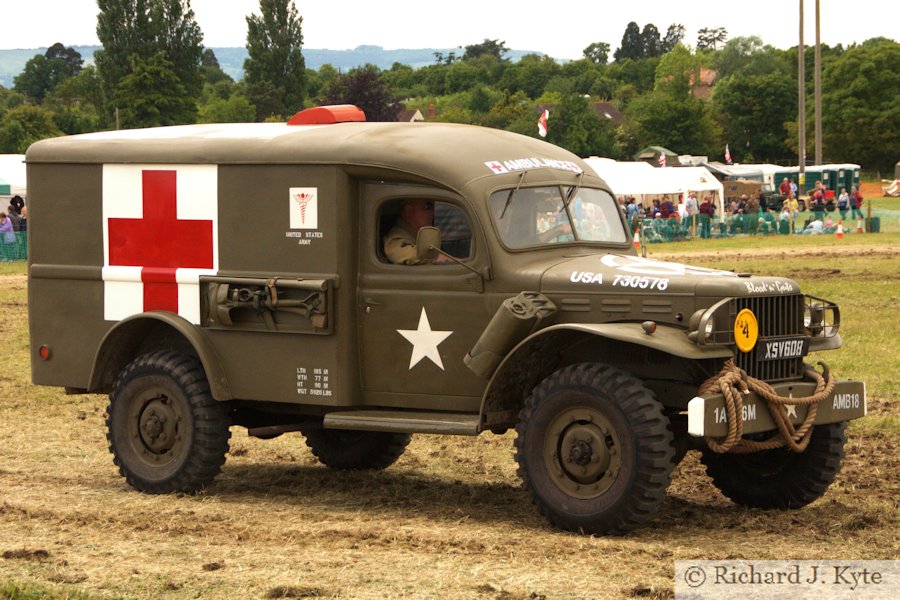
{"x":303,"y":199}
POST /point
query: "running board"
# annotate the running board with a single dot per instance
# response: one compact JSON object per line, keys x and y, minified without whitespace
{"x":401,"y":421}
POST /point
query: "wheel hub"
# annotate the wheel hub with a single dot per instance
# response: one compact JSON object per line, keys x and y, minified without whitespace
{"x":582,"y":452}
{"x":158,"y":425}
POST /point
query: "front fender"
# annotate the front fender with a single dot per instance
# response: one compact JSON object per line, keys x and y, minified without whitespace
{"x":535,"y":357}
{"x":665,"y":339}
{"x":129,"y":338}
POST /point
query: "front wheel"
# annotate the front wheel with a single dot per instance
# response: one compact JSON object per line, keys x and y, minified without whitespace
{"x":165,"y":431}
{"x":594,"y":449}
{"x":780,"y":478}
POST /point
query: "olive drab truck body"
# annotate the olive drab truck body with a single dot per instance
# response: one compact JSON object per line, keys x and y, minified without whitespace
{"x":212,"y":276}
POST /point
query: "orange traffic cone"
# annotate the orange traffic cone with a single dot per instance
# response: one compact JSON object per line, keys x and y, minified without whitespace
{"x":859,"y":226}
{"x":637,"y":238}
{"x":840,"y":230}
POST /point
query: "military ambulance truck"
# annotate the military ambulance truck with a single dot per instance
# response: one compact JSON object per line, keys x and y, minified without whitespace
{"x":213,"y":276}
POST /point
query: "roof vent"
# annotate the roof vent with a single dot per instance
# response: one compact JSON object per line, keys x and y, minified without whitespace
{"x":328,"y":115}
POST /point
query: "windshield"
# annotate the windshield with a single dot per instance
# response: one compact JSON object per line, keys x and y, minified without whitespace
{"x":531,"y":217}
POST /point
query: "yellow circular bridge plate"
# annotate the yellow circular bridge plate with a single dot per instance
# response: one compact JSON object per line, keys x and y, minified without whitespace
{"x":746,"y":330}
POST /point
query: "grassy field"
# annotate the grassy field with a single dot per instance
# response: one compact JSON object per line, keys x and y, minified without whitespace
{"x":449,"y":519}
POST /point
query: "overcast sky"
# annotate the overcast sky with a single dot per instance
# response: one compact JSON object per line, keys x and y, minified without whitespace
{"x":560,"y":29}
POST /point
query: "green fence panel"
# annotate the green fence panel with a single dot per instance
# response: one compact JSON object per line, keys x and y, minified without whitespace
{"x":15,"y":248}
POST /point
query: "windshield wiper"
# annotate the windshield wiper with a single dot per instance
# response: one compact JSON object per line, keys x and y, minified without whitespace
{"x":511,"y":194}
{"x":574,"y":189}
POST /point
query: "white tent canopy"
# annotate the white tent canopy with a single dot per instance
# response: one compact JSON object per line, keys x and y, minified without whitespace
{"x":12,"y":171}
{"x":642,"y":179}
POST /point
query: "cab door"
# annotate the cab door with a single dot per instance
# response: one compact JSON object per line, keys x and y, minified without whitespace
{"x":417,"y":322}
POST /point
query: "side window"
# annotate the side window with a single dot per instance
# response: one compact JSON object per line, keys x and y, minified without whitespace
{"x":400,"y":219}
{"x":456,"y":233}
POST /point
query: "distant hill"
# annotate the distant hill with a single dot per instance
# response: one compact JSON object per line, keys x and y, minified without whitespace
{"x":232,"y":59}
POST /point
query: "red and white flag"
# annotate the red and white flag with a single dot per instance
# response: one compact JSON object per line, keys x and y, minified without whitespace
{"x":662,"y":159}
{"x":542,"y":123}
{"x":727,"y":155}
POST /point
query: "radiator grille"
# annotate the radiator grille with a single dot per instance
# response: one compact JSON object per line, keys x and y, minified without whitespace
{"x":779,"y":317}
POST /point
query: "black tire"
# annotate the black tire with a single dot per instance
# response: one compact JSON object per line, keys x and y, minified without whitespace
{"x":165,"y":431}
{"x":594,"y":449}
{"x":780,"y":478}
{"x":342,"y":449}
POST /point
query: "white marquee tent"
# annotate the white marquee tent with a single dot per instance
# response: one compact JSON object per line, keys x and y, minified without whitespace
{"x":12,"y":176}
{"x":643,"y":181}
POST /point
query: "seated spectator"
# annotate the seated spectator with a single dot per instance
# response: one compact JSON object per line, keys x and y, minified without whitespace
{"x":815,"y":227}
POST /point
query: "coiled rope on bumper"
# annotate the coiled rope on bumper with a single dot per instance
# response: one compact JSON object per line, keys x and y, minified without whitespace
{"x":733,"y":383}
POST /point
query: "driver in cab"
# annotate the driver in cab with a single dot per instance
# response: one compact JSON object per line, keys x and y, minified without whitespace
{"x":400,"y":241}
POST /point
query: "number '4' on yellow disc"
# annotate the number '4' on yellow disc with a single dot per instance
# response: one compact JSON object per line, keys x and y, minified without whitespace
{"x":746,"y":330}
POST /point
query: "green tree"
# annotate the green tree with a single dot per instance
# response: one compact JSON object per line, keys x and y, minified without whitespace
{"x":632,"y":46}
{"x":22,"y":126}
{"x":401,"y":78}
{"x":749,"y":56}
{"x":576,"y":126}
{"x":674,"y":35}
{"x":650,"y":41}
{"x":709,"y":38}
{"x":512,"y":112}
{"x":152,"y":95}
{"x":530,"y":75}
{"x":235,"y":109}
{"x":275,"y":62}
{"x":861,"y":102}
{"x":676,"y":72}
{"x":639,"y":73}
{"x":145,"y":28}
{"x":211,"y":71}
{"x":597,"y":53}
{"x":364,"y":87}
{"x":46,"y":71}
{"x":481,"y":100}
{"x":77,"y":103}
{"x":754,"y":110}
{"x":681,"y":123}
{"x":494,"y":48}
{"x":9,"y":99}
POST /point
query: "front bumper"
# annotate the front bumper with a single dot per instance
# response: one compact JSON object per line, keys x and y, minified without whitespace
{"x":707,"y":416}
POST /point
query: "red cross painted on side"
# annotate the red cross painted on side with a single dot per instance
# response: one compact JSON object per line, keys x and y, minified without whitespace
{"x":159,"y":243}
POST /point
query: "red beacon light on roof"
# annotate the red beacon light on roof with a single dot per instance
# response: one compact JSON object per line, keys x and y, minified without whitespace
{"x":328,"y":115}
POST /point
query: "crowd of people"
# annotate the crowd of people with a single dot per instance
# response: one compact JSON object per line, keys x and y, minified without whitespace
{"x":13,"y":228}
{"x":752,"y":214}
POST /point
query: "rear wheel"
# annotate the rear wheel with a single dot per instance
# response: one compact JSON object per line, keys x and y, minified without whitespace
{"x":594,"y":449}
{"x":165,"y":431}
{"x":780,"y":478}
{"x":342,"y":449}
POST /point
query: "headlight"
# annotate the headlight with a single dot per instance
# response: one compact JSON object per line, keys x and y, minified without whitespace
{"x":814,"y":317}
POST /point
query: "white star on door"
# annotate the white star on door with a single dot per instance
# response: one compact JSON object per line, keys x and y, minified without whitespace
{"x":425,"y":341}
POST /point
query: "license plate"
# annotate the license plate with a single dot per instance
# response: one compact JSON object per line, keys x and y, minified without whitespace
{"x":784,"y":348}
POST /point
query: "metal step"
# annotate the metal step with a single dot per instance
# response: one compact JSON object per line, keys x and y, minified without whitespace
{"x":402,"y":421}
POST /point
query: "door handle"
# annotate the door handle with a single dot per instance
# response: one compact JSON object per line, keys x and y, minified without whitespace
{"x":369,"y":304}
